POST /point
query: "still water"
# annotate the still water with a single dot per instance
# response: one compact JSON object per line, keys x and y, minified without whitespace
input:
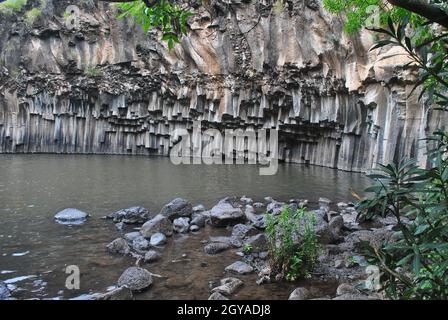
{"x":34,"y":250}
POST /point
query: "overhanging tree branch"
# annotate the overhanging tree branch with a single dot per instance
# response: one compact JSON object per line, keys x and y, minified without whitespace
{"x":427,"y":10}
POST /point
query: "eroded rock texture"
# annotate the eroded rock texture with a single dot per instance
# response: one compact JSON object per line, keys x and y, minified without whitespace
{"x":105,"y":87}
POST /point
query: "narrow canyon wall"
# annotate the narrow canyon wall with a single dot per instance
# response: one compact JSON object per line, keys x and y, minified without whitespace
{"x":102,"y":86}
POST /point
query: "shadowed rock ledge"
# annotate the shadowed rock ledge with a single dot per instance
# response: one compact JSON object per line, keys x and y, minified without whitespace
{"x":105,"y":87}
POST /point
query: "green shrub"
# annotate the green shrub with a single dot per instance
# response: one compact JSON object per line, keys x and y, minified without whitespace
{"x":32,"y":15}
{"x":293,"y":243}
{"x":92,"y":72}
{"x":12,"y":6}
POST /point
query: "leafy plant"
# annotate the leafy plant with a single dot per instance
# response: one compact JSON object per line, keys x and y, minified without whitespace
{"x":293,"y":243}
{"x":247,"y":249}
{"x":32,"y":15}
{"x":168,"y":17}
{"x":12,"y":6}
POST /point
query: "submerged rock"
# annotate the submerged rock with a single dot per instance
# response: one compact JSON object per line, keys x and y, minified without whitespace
{"x":135,"y":279}
{"x":158,"y":224}
{"x":132,"y":215}
{"x":119,"y":246}
{"x":178,"y":208}
{"x":224,"y":214}
{"x":71,"y":216}
{"x":240,"y":268}
{"x":228,"y":286}
{"x":216,"y":247}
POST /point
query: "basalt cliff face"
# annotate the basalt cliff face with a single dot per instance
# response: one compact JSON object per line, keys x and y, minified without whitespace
{"x":100,"y":85}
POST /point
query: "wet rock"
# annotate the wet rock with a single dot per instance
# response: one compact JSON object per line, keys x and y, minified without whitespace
{"x":71,"y":216}
{"x":132,"y":235}
{"x":199,"y":208}
{"x":258,"y":243}
{"x":158,"y":224}
{"x":258,"y":221}
{"x":135,"y":279}
{"x":181,"y":225}
{"x":217,"y":296}
{"x":194,"y":228}
{"x":342,"y":205}
{"x":4,"y":291}
{"x":232,"y":241}
{"x":199,"y":219}
{"x":140,"y":244}
{"x":157,"y":239}
{"x":246,"y":200}
{"x":152,"y":256}
{"x":216,"y":247}
{"x":225,"y":214}
{"x":258,"y":205}
{"x":299,"y":294}
{"x":228,"y":286}
{"x":324,"y":203}
{"x":346,"y":288}
{"x":339,"y":263}
{"x":241,"y":231}
{"x":275,"y":207}
{"x":335,"y":225}
{"x":178,"y":208}
{"x":132,"y":215}
{"x":119,"y":246}
{"x":268,"y":199}
{"x":119,"y":226}
{"x":239,"y":267}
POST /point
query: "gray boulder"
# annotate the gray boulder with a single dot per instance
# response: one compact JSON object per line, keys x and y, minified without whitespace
{"x":152,"y":256}
{"x":199,"y":208}
{"x":199,"y":219}
{"x":224,"y":214}
{"x":346,"y":288}
{"x":132,"y":215}
{"x":257,"y":220}
{"x":299,"y":294}
{"x":216,"y":247}
{"x":242,"y":231}
{"x":135,"y":279}
{"x":140,"y":244}
{"x":132,"y":235}
{"x":119,"y":246}
{"x":178,"y":208}
{"x":335,"y":226}
{"x":158,"y":239}
{"x":71,"y":216}
{"x":158,"y":224}
{"x":275,"y":207}
{"x":181,"y":225}
{"x":228,"y":286}
{"x":239,"y":267}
